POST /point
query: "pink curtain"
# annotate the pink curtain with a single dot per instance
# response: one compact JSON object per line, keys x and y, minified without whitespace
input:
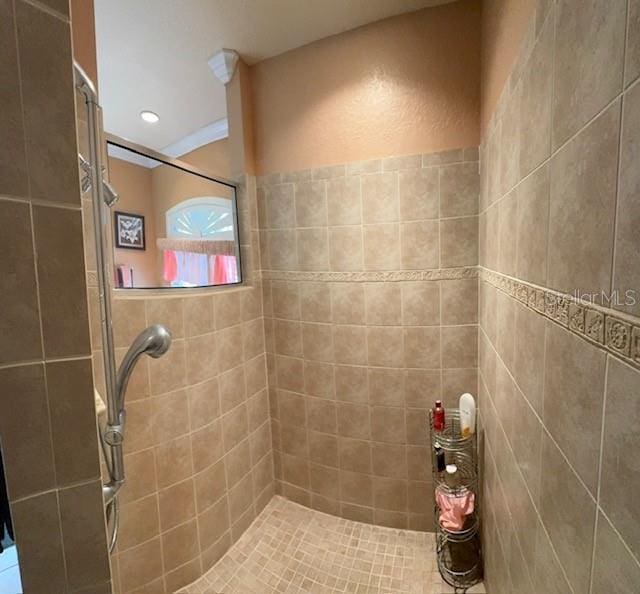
{"x":222,"y":270}
{"x":170,"y":271}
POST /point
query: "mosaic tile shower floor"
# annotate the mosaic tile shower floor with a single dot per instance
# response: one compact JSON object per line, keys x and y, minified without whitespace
{"x":292,"y":549}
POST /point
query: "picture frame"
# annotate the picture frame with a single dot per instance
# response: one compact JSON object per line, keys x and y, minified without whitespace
{"x":129,"y":230}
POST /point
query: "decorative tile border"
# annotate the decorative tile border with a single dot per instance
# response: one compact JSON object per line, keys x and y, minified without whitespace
{"x":604,"y":327}
{"x":373,"y":275}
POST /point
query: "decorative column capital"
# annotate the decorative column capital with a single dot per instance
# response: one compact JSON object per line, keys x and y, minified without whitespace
{"x":223,"y":64}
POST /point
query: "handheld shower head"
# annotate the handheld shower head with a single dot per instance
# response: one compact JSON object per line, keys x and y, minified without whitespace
{"x":153,"y":341}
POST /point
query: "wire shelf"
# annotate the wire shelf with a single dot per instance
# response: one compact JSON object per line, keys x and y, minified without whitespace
{"x":467,"y":475}
{"x":459,"y":563}
{"x":450,"y":438}
{"x":469,"y":530}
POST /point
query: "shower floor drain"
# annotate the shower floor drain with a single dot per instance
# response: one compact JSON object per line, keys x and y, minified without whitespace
{"x":292,"y":549}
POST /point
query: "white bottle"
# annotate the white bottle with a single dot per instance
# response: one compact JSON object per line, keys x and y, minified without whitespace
{"x":467,"y":415}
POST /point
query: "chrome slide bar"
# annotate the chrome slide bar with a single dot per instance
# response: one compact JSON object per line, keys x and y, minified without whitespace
{"x":154,"y":341}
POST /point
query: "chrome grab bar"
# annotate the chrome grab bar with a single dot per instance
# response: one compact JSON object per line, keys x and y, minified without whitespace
{"x":154,"y":341}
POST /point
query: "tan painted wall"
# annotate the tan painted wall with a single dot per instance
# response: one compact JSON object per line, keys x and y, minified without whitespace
{"x":133,"y":183}
{"x":212,"y":158}
{"x":407,"y":84}
{"x":504,"y":23}
{"x":84,"y":37}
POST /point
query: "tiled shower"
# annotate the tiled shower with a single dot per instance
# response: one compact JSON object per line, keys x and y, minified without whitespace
{"x":371,"y":289}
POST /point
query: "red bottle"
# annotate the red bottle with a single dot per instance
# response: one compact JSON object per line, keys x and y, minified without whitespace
{"x":438,"y":416}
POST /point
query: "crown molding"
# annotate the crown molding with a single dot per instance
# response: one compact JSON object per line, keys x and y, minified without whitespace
{"x":223,"y":64}
{"x":210,"y":133}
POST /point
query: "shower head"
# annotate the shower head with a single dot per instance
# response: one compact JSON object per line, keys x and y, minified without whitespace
{"x":109,"y":195}
{"x":153,"y":341}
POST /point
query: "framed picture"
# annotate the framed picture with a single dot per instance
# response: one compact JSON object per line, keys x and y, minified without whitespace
{"x":129,"y":230}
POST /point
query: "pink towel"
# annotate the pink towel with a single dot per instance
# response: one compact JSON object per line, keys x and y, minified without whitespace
{"x":454,"y":508}
{"x":170,"y":272}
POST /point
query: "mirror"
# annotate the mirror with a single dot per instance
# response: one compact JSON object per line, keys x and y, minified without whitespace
{"x":9,"y":567}
{"x":173,"y":224}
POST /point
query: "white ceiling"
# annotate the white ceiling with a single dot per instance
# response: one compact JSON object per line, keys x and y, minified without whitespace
{"x":152,"y":54}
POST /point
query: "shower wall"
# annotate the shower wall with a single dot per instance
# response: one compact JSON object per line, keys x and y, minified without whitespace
{"x":198,"y":452}
{"x":559,"y":376}
{"x":47,"y":420}
{"x":371,"y":315}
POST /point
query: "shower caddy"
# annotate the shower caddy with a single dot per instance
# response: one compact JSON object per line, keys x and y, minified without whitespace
{"x":458,"y":553}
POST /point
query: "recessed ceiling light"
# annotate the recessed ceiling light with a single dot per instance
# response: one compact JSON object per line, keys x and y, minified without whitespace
{"x":149,"y":116}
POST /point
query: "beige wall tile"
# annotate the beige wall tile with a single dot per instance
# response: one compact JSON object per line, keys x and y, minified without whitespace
{"x":528,"y":362}
{"x":380,"y":203}
{"x":235,"y":428}
{"x":75,"y":446}
{"x":13,"y":165}
{"x":537,"y":90}
{"x":420,"y":303}
{"x":321,"y":415}
{"x":345,"y":248}
{"x":589,"y":57}
{"x":626,"y":268}
{"x":507,"y":221}
{"x":382,"y":302}
{"x":325,"y":481}
{"x":347,"y":303}
{"x":459,"y":242}
{"x":388,"y":424}
{"x":353,"y":420}
{"x":532,"y":227}
{"x":350,"y":345}
{"x":323,"y":448}
{"x":390,"y":494}
{"x":279,"y":207}
{"x":570,"y":526}
{"x":343,"y":201}
{"x":422,"y":387}
{"x":632,"y":54}
{"x":459,"y":300}
{"x":210,"y":485}
{"x":311,"y":203}
{"x":176,"y":504}
{"x":128,"y":321}
{"x":613,"y":567}
{"x":25,"y":429}
{"x":180,"y":545}
{"x":317,"y":342}
{"x":61,"y":280}
{"x":582,"y":205}
{"x":419,"y":245}
{"x":198,"y":315}
{"x":139,"y":522}
{"x":228,"y":347}
{"x":386,"y":386}
{"x":355,"y":455}
{"x":169,"y":372}
{"x":418,"y":192}
{"x":389,"y":460}
{"x":356,"y":488}
{"x":282,"y":249}
{"x":141,"y":476}
{"x":83,"y":535}
{"x":573,"y":399}
{"x":351,"y":383}
{"x":44,"y":45}
{"x":170,"y":416}
{"x":422,"y":347}
{"x":213,"y":523}
{"x":459,"y":346}
{"x":382,"y":247}
{"x":173,"y":460}
{"x":36,"y":520}
{"x":140,"y":565}
{"x":385,"y":346}
{"x":313,"y":249}
{"x":459,"y":189}
{"x":619,"y":440}
{"x":288,"y":338}
{"x":20,"y":337}
{"x":204,"y":402}
{"x":315,"y":302}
